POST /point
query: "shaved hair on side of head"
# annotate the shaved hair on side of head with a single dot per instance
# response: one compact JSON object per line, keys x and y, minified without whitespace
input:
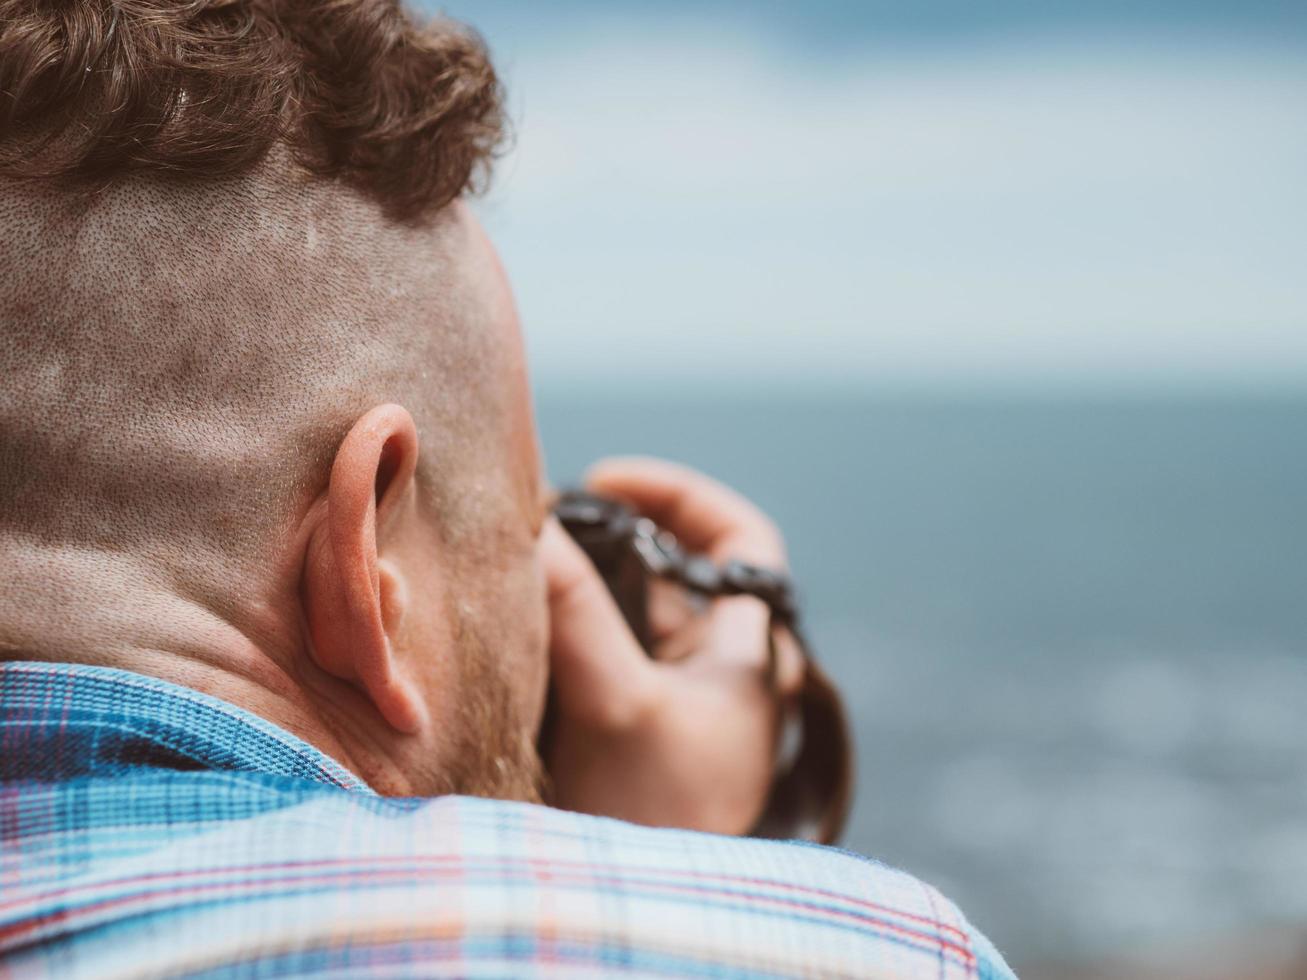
{"x":193,"y":348}
{"x":201,"y":289}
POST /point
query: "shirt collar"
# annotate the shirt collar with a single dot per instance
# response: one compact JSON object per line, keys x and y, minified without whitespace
{"x":63,"y":721}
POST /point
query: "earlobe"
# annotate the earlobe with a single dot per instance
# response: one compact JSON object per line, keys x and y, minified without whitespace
{"x":354,"y":601}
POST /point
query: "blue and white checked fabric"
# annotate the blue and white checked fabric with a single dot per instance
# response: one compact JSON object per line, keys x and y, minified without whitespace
{"x":148,"y":830}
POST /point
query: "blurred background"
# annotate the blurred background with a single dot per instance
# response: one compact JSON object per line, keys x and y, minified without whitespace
{"x":1001,"y":310}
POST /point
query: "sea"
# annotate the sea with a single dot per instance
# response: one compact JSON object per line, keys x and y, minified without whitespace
{"x":1072,"y":632}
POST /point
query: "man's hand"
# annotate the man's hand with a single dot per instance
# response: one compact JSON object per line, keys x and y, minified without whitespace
{"x":687,"y":738}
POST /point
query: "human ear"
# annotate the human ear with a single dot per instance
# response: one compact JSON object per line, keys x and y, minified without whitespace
{"x":353,"y":600}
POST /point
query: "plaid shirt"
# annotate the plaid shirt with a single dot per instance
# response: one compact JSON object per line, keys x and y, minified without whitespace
{"x":148,"y":830}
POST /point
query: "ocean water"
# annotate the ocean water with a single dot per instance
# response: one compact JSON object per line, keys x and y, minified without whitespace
{"x":1072,"y":633}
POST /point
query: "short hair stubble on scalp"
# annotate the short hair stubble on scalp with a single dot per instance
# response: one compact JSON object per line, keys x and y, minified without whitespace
{"x":226,"y":232}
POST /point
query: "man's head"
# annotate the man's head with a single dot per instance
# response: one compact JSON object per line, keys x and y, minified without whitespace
{"x":264,"y":420}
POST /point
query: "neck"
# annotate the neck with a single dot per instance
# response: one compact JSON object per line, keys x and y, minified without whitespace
{"x":111,"y":610}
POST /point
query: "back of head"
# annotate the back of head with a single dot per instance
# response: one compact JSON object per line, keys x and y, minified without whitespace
{"x":226,"y":231}
{"x":230,"y":245}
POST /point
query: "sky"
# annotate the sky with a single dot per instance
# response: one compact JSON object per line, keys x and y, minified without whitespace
{"x":950,"y":193}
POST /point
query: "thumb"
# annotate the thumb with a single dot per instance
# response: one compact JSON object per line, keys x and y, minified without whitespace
{"x":601,"y":676}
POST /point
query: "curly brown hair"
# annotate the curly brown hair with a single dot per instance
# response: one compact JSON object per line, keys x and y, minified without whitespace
{"x":91,"y":90}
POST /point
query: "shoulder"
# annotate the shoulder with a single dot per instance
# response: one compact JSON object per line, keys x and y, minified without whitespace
{"x":836,"y":912}
{"x":246,"y":866}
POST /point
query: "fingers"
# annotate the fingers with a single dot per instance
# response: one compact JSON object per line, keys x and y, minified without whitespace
{"x":705,"y":515}
{"x":790,"y":665}
{"x":737,"y":634}
{"x":600,"y":673}
{"x":672,"y":608}
{"x":709,"y":517}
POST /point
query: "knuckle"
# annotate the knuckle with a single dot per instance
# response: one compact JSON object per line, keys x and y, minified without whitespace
{"x":772,"y":534}
{"x":790,"y":680}
{"x":790,"y":666}
{"x":642,"y":702}
{"x":574,"y":586}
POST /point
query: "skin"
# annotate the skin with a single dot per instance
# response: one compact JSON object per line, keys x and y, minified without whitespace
{"x":377,"y":585}
{"x":685,"y":739}
{"x":419,"y":657}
